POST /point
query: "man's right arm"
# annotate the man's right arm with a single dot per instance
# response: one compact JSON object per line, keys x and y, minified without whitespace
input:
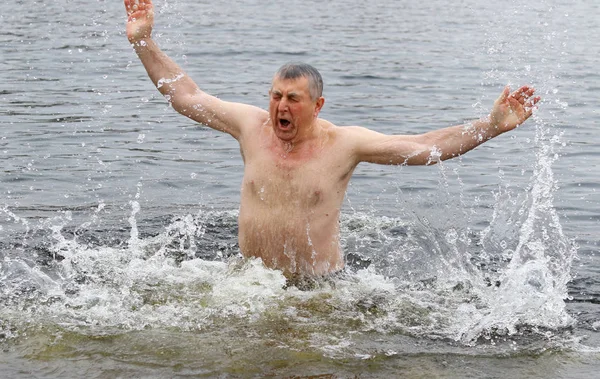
{"x":179,"y":89}
{"x":510,"y":110}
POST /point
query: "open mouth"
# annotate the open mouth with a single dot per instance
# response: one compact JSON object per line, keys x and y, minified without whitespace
{"x":284,"y":123}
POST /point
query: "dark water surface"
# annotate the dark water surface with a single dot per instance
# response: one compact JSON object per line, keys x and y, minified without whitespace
{"x":118,"y":250}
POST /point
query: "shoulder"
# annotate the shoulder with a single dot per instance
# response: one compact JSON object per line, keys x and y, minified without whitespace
{"x":350,"y":141}
{"x":247,"y":111}
{"x":341,"y":131}
{"x":354,"y":136}
{"x":251,"y":118}
{"x":352,"y":131}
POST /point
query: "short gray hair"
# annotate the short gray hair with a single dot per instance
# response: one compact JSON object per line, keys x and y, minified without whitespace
{"x":295,"y":70}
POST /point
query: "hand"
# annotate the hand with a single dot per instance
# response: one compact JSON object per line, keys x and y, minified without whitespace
{"x":511,"y":110}
{"x":140,"y":19}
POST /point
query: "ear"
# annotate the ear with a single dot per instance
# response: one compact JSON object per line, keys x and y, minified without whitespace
{"x":319,"y":105}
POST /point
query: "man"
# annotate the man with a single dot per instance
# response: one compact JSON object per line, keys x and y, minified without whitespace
{"x":296,"y":165}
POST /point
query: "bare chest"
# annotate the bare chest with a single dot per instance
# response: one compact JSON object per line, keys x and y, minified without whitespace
{"x":302,"y":181}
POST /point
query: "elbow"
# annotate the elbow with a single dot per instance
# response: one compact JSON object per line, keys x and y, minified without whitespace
{"x":426,"y":155}
{"x":436,"y":156}
{"x":431,"y":152}
{"x":183,"y":104}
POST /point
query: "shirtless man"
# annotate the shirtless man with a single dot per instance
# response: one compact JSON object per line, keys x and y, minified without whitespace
{"x":296,"y":165}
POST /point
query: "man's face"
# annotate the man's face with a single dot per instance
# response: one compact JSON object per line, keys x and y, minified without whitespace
{"x":291,"y":108}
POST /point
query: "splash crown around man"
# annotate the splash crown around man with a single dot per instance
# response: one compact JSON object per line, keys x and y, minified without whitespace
{"x":297,"y":166}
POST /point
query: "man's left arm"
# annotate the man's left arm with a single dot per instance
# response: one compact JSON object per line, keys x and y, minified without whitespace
{"x":510,"y":110}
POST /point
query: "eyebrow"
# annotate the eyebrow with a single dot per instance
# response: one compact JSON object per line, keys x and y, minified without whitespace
{"x":277,"y":92}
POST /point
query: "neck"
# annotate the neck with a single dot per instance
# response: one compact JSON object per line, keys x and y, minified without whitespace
{"x":309,"y":144}
{"x":304,"y":136}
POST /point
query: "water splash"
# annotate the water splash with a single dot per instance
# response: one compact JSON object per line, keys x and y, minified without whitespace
{"x":426,"y":281}
{"x":170,"y":281}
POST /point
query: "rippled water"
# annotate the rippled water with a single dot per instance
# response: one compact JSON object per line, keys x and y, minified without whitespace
{"x":118,"y":251}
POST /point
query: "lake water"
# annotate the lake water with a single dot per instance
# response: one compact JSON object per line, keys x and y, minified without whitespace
{"x":118,"y":251}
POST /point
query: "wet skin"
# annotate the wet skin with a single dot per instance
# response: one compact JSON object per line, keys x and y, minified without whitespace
{"x":297,"y":166}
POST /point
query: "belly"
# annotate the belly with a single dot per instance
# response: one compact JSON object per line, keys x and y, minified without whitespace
{"x":296,"y":241}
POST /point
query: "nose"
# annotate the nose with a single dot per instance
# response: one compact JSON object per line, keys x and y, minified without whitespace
{"x":283,"y":104}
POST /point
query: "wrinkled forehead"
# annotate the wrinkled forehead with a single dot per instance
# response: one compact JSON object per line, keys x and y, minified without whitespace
{"x":284,"y":85}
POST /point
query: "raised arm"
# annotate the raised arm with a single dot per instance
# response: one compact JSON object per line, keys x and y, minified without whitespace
{"x":510,"y":110}
{"x":177,"y":87}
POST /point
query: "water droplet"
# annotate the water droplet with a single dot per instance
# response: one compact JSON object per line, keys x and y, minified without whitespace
{"x":451,"y":236}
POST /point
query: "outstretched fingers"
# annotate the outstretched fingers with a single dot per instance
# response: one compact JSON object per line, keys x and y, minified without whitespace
{"x":511,"y":109}
{"x":504,"y":95}
{"x":140,"y":19}
{"x":137,"y":8}
{"x":524,"y":97}
{"x":530,"y":105}
{"x":523,"y":94}
{"x":134,"y":5}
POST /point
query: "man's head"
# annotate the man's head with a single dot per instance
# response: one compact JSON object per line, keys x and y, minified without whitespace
{"x":298,"y":70}
{"x":295,"y":100}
